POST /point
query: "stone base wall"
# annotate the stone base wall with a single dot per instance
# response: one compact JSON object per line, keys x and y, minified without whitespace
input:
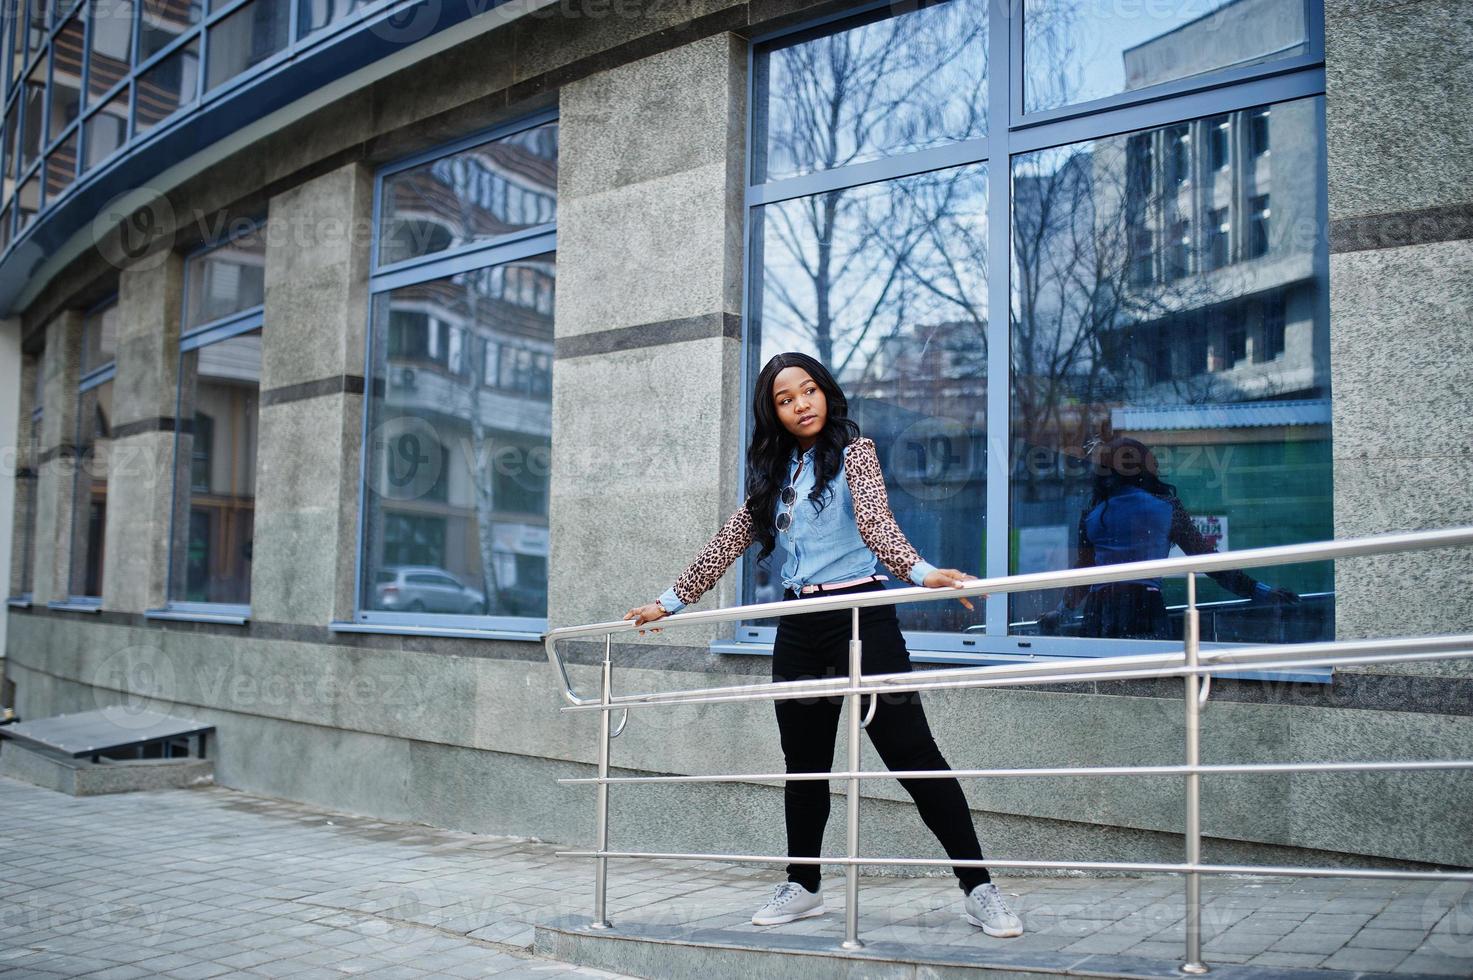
{"x":477,"y":743}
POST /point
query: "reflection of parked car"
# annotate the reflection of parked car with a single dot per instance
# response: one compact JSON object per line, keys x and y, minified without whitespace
{"x":425,"y":588}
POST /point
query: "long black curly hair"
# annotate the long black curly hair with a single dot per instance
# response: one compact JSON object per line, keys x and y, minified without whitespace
{"x":1121,"y":463}
{"x":772,"y":445}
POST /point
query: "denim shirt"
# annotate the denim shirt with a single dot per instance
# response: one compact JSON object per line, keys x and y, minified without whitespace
{"x":1130,"y":526}
{"x":822,"y":546}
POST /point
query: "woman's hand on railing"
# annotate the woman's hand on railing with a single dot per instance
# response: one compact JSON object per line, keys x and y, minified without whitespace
{"x":647,"y":613}
{"x":943,"y":578}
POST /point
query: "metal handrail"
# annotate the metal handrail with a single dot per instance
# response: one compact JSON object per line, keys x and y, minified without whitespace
{"x":1131,"y":667}
{"x":1193,"y":665}
{"x":1156,"y":568}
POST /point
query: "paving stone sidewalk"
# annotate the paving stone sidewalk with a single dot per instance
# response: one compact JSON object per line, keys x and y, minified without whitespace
{"x":213,"y":882}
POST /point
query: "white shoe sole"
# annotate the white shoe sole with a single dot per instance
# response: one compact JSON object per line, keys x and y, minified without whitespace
{"x":995,"y":933}
{"x":782,"y":919}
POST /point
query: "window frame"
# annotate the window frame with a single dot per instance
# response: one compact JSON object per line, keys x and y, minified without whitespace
{"x":522,"y":244}
{"x":1220,"y":92}
{"x":192,"y":339}
{"x":1313,"y":57}
{"x":90,"y":381}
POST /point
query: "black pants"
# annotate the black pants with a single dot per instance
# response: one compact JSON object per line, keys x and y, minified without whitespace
{"x":1126,"y":610}
{"x":817,"y":645}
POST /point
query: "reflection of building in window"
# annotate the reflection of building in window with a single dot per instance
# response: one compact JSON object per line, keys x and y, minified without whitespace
{"x":313,"y":15}
{"x":227,"y":280}
{"x":217,"y":506}
{"x":469,"y":354}
{"x":1179,"y":158}
{"x":1229,"y":153}
{"x":1228,"y":302}
{"x":1179,"y":250}
{"x":1211,"y":343}
{"x":1257,"y":227}
{"x":1258,"y":132}
{"x":497,"y":187}
{"x":1219,"y":133}
{"x":1218,"y":229}
{"x":1270,"y":344}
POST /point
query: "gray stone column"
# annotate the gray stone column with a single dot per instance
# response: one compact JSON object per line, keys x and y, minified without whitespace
{"x":317,"y":257}
{"x":141,"y":453}
{"x":22,"y":461}
{"x":1399,"y":106}
{"x":645,"y":400}
{"x":55,"y":490}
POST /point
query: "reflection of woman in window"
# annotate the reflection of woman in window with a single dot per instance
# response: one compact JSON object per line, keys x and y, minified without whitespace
{"x":815,"y":482}
{"x":1134,"y":516}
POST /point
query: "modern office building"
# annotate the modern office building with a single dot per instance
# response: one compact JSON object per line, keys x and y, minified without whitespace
{"x":362,"y":344}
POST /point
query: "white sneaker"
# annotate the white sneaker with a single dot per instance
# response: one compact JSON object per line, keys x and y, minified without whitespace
{"x":789,"y":901}
{"x":985,"y":908}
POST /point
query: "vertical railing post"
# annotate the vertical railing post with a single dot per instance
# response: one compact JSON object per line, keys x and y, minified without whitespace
{"x":851,"y":870}
{"x":1192,"y":630}
{"x":601,"y":818}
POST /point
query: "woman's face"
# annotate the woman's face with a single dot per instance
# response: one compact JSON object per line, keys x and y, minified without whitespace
{"x":800,"y":404}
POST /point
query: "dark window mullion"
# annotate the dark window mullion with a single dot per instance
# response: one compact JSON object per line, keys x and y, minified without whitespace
{"x":900,"y":165}
{"x":1165,"y":112}
{"x":1004,"y":97}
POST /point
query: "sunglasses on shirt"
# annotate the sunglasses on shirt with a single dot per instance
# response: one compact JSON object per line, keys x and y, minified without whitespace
{"x":789,"y":498}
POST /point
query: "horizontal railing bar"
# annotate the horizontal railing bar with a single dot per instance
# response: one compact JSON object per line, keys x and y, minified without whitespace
{"x":1276,"y":657}
{"x":1216,"y":561}
{"x":1221,"y":869}
{"x":1213,"y":562}
{"x":1409,"y":765}
{"x":1065,"y":678}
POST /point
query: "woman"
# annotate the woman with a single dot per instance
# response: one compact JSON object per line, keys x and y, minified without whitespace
{"x":815,"y":481}
{"x":1135,"y":516}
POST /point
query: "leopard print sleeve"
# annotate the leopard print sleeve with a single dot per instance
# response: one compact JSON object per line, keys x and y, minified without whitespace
{"x":713,"y":561}
{"x":872,"y":514}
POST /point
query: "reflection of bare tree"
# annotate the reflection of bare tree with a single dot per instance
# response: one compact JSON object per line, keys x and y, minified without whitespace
{"x":896,"y":253}
{"x":855,"y":253}
{"x":1082,"y":315}
{"x":1055,"y":68}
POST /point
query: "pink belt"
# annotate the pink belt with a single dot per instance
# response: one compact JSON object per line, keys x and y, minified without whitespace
{"x":831,"y":586}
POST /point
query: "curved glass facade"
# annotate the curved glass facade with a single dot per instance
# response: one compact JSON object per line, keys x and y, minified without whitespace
{"x":85,"y":82}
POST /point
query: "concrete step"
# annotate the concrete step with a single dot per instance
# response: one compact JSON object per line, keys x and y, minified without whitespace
{"x":662,"y":951}
{"x":83,"y":777}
